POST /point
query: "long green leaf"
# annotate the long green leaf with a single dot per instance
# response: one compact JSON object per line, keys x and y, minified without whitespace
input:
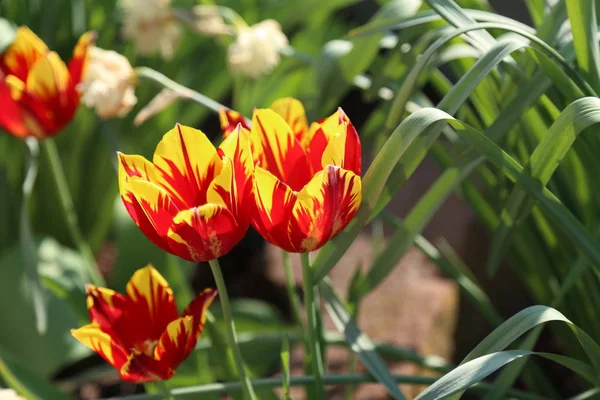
{"x":358,"y":341}
{"x":582,"y":14}
{"x":474,"y":371}
{"x":547,"y":156}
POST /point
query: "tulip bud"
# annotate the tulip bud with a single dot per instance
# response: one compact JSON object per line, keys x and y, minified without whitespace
{"x":107,"y":84}
{"x":256,"y":49}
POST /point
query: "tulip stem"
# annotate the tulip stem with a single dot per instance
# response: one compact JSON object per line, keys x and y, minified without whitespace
{"x":165,"y":389}
{"x":311,"y":317}
{"x":57,"y":172}
{"x":290,"y":284}
{"x":230,"y":328}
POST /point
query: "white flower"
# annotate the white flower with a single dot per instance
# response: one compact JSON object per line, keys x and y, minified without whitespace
{"x":107,"y":84}
{"x":209,"y":21}
{"x":152,"y":26}
{"x":256,"y":49}
{"x":9,"y":394}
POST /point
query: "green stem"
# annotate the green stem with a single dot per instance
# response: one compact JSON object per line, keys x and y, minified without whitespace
{"x":311,"y":317}
{"x":185,"y":92}
{"x":193,"y":392}
{"x":230,"y":328}
{"x":29,"y":249}
{"x":290,"y":285}
{"x":165,"y":389}
{"x":68,"y":209}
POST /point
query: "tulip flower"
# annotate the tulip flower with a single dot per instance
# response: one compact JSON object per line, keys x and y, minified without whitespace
{"x":193,"y":200}
{"x":140,"y":333}
{"x":307,"y":183}
{"x":38,"y":95}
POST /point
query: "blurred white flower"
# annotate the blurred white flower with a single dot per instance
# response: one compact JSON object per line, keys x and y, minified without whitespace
{"x":209,"y":21}
{"x":107,"y":84}
{"x":256,"y":49}
{"x":9,"y":394}
{"x":152,"y":26}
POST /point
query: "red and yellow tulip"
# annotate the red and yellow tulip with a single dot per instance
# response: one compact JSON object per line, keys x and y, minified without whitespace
{"x":193,"y":200}
{"x":38,"y":91}
{"x":140,"y":333}
{"x":307,"y":183}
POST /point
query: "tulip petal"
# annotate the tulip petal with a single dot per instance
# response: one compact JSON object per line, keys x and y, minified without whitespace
{"x":105,"y":306}
{"x":186,"y":162}
{"x":47,"y":82}
{"x":278,"y":149}
{"x":137,"y":168}
{"x":78,"y":61}
{"x":12,"y":115}
{"x":293,"y":113}
{"x":222,"y":190}
{"x":158,"y":207}
{"x":101,"y":342}
{"x":204,"y":233}
{"x":237,"y":148}
{"x":274,"y":204}
{"x":142,"y":368}
{"x":347,"y":146}
{"x":229,"y":121}
{"x":178,"y":341}
{"x":151,"y":305}
{"x":200,"y":304}
{"x":22,"y":54}
{"x":324,"y":207}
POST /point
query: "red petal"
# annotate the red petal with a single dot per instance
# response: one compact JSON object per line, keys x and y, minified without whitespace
{"x":142,"y":368}
{"x":204,"y":233}
{"x":178,"y":341}
{"x":102,"y":343}
{"x":274,"y":203}
{"x":229,"y":121}
{"x":324,"y":207}
{"x":150,"y":306}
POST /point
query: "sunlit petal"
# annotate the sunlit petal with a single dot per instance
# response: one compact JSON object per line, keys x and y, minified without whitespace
{"x":140,"y":367}
{"x":229,"y":121}
{"x":151,"y":305}
{"x":101,"y":342}
{"x":178,"y":341}
{"x":186,"y":162}
{"x":279,"y":151}
{"x":204,"y":233}
{"x":324,"y":208}
{"x":274,"y":203}
{"x":293,"y":113}
{"x":23,"y":53}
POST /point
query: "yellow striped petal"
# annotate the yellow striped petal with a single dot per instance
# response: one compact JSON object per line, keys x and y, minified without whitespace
{"x":91,"y":336}
{"x":293,"y":113}
{"x":48,"y":79}
{"x":186,"y":162}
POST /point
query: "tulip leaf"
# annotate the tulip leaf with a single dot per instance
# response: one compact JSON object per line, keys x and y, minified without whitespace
{"x":360,"y":343}
{"x":25,"y":381}
{"x":43,"y":354}
{"x":8,"y":31}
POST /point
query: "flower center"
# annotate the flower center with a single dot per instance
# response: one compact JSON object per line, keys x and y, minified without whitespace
{"x":148,"y":347}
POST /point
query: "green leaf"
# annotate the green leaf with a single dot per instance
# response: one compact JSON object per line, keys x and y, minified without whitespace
{"x":25,"y":381}
{"x":582,"y":15}
{"x":8,"y":31}
{"x":43,"y":353}
{"x":357,"y":340}
{"x":547,"y":156}
{"x":474,"y":371}
{"x":342,"y":60}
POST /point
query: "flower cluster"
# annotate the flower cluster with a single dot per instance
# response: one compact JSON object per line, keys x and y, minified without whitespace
{"x":299,"y":186}
{"x":141,"y":333}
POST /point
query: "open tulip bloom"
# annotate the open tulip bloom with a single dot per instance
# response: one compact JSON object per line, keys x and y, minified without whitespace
{"x":307,"y":183}
{"x":38,"y":95}
{"x":140,"y":333}
{"x":193,"y":200}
